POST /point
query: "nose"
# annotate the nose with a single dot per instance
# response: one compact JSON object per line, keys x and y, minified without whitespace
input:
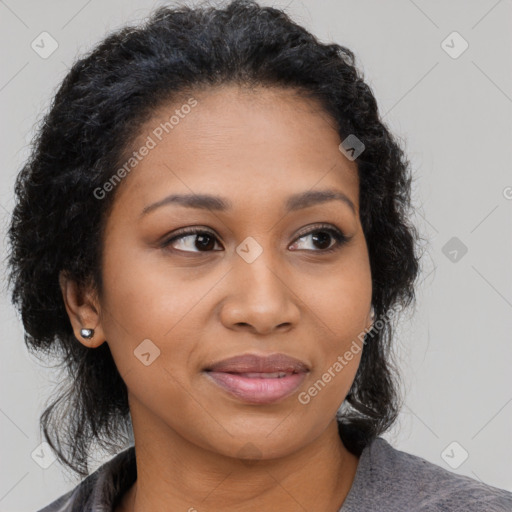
{"x":260,"y":299}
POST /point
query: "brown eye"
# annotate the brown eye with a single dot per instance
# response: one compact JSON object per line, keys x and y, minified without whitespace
{"x":190,"y":239}
{"x":323,"y":236}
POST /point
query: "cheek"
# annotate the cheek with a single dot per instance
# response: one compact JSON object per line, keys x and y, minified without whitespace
{"x":146,"y":309}
{"x":147,"y":296}
{"x":340,"y":301}
{"x":325,"y":392}
{"x":150,"y":335}
{"x":340,"y":308}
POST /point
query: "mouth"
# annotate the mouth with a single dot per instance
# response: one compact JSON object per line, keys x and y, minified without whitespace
{"x":258,"y":379}
{"x":262,"y":375}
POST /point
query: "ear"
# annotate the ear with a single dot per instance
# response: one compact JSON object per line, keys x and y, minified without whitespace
{"x":83,"y":310}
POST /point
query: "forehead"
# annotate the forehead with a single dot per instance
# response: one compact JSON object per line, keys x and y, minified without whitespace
{"x":255,"y":144}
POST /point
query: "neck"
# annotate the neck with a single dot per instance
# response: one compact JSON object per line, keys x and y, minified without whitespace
{"x":174,"y":474}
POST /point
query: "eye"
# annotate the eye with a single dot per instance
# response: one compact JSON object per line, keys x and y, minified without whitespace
{"x":186,"y":237}
{"x":323,"y":235}
{"x":204,"y":240}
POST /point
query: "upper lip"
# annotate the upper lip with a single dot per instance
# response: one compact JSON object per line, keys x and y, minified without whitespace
{"x":246,"y":363}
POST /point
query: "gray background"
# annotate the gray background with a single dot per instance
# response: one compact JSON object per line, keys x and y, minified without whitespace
{"x":454,"y":116}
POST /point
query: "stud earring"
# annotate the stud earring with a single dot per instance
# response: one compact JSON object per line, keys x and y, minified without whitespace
{"x":87,"y":333}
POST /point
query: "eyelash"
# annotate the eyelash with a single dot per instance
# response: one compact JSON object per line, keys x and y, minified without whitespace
{"x":339,"y":237}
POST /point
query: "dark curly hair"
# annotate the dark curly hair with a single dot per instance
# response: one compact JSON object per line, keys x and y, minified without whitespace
{"x":95,"y":116}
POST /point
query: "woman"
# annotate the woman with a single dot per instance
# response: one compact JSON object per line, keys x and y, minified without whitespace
{"x":253,"y":370}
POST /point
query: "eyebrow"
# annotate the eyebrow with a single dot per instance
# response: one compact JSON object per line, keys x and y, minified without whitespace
{"x":293,"y":203}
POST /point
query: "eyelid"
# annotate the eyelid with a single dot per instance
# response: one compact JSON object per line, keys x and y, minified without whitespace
{"x":316,"y":227}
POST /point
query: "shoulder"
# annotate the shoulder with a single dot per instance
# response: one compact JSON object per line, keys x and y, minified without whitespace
{"x":400,"y":481}
{"x":100,"y":489}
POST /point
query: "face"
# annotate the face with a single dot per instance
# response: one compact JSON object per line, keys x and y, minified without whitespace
{"x":261,"y":274}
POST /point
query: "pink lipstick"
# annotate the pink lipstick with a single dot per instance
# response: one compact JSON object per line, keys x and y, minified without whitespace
{"x":258,"y":379}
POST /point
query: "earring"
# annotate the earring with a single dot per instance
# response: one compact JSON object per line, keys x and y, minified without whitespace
{"x":87,"y":333}
{"x":372,"y":314}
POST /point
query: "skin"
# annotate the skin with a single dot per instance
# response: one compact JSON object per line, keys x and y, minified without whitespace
{"x":255,"y":148}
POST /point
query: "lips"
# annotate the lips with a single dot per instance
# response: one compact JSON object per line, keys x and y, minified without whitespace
{"x":258,"y":379}
{"x":252,"y":363}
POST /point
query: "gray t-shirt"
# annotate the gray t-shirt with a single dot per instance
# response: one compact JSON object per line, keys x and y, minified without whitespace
{"x":386,"y":480}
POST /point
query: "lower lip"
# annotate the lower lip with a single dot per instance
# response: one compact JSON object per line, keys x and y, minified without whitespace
{"x":257,"y":390}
